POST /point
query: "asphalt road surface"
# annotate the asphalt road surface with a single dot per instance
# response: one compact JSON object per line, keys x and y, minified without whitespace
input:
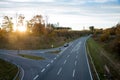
{"x":70,"y":64}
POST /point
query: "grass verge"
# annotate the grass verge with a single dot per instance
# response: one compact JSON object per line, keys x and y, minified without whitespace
{"x":53,"y":52}
{"x":7,"y":70}
{"x":100,"y":59}
{"x":31,"y":57}
{"x":94,"y":52}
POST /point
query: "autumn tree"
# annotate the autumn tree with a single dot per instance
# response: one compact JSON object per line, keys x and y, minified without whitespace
{"x":91,"y":28}
{"x":7,"y":23}
{"x":37,"y":25}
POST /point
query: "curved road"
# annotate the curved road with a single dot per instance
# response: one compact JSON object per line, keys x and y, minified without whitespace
{"x":70,"y":64}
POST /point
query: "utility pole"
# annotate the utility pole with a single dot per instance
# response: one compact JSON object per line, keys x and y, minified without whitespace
{"x":46,"y":21}
{"x":83,"y":27}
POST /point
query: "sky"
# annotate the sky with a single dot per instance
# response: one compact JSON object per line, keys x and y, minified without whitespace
{"x":69,"y":13}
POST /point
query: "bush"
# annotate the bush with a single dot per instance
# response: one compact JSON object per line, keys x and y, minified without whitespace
{"x":115,"y":45}
{"x":104,"y":37}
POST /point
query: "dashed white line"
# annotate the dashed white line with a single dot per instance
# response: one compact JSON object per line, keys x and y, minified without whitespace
{"x":77,"y":52}
{"x":52,"y":61}
{"x":68,"y":56}
{"x":48,"y":65}
{"x":76,"y":56}
{"x":57,"y":55}
{"x":75,"y":63}
{"x":55,"y":58}
{"x":65,"y":61}
{"x":35,"y":77}
{"x":59,"y":71}
{"x":73,"y":73}
{"x":43,"y":70}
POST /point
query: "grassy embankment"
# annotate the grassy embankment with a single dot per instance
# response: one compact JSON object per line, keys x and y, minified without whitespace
{"x":7,"y":70}
{"x":31,"y":57}
{"x":101,"y":58}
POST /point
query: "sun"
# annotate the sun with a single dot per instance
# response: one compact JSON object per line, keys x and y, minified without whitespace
{"x":21,"y":28}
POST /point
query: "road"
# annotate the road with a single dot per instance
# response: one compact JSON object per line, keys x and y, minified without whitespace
{"x":70,"y":64}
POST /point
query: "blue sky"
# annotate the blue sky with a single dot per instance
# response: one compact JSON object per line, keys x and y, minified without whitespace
{"x":71,"y":13}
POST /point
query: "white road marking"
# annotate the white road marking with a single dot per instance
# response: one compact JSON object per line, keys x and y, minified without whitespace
{"x":35,"y":77}
{"x":76,"y":56}
{"x":43,"y":70}
{"x":65,"y":61}
{"x":59,"y":71}
{"x":52,"y":61}
{"x":73,"y":72}
{"x":68,"y":56}
{"x":75,"y":63}
{"x":77,"y":52}
{"x":55,"y":58}
{"x":48,"y":65}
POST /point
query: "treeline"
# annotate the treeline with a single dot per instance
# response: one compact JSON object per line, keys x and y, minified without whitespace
{"x":39,"y":38}
{"x":110,"y":37}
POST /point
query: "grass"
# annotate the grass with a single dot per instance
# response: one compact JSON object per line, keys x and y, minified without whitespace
{"x":53,"y":52}
{"x":7,"y":70}
{"x":31,"y":57}
{"x":96,"y":56}
{"x":100,"y":59}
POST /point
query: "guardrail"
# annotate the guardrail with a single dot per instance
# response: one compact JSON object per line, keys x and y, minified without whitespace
{"x":17,"y":75}
{"x":20,"y":73}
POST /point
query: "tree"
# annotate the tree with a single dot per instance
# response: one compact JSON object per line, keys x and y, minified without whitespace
{"x":91,"y":28}
{"x":7,"y":23}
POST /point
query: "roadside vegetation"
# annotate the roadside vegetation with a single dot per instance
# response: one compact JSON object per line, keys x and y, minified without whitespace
{"x":37,"y":35}
{"x":31,"y":57}
{"x":104,"y":47}
{"x":54,"y":52}
{"x":28,"y":40}
{"x":7,"y":70}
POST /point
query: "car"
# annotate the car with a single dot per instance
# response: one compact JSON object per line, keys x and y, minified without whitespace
{"x":66,"y":45}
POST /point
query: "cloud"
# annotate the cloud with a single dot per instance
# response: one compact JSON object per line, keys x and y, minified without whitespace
{"x":30,"y":0}
{"x":67,"y":12}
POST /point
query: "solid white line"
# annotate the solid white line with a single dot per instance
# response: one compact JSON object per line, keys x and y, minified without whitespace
{"x":35,"y":77}
{"x":65,"y":61}
{"x":73,"y":72}
{"x":52,"y":61}
{"x":23,"y":73}
{"x":75,"y":63}
{"x":48,"y":65}
{"x":43,"y":70}
{"x":59,"y":71}
{"x":87,"y":60}
{"x":93,"y":64}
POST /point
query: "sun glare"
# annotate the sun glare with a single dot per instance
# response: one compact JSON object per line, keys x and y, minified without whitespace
{"x":21,"y":29}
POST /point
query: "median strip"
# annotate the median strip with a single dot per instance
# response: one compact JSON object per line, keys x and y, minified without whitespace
{"x":31,"y":57}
